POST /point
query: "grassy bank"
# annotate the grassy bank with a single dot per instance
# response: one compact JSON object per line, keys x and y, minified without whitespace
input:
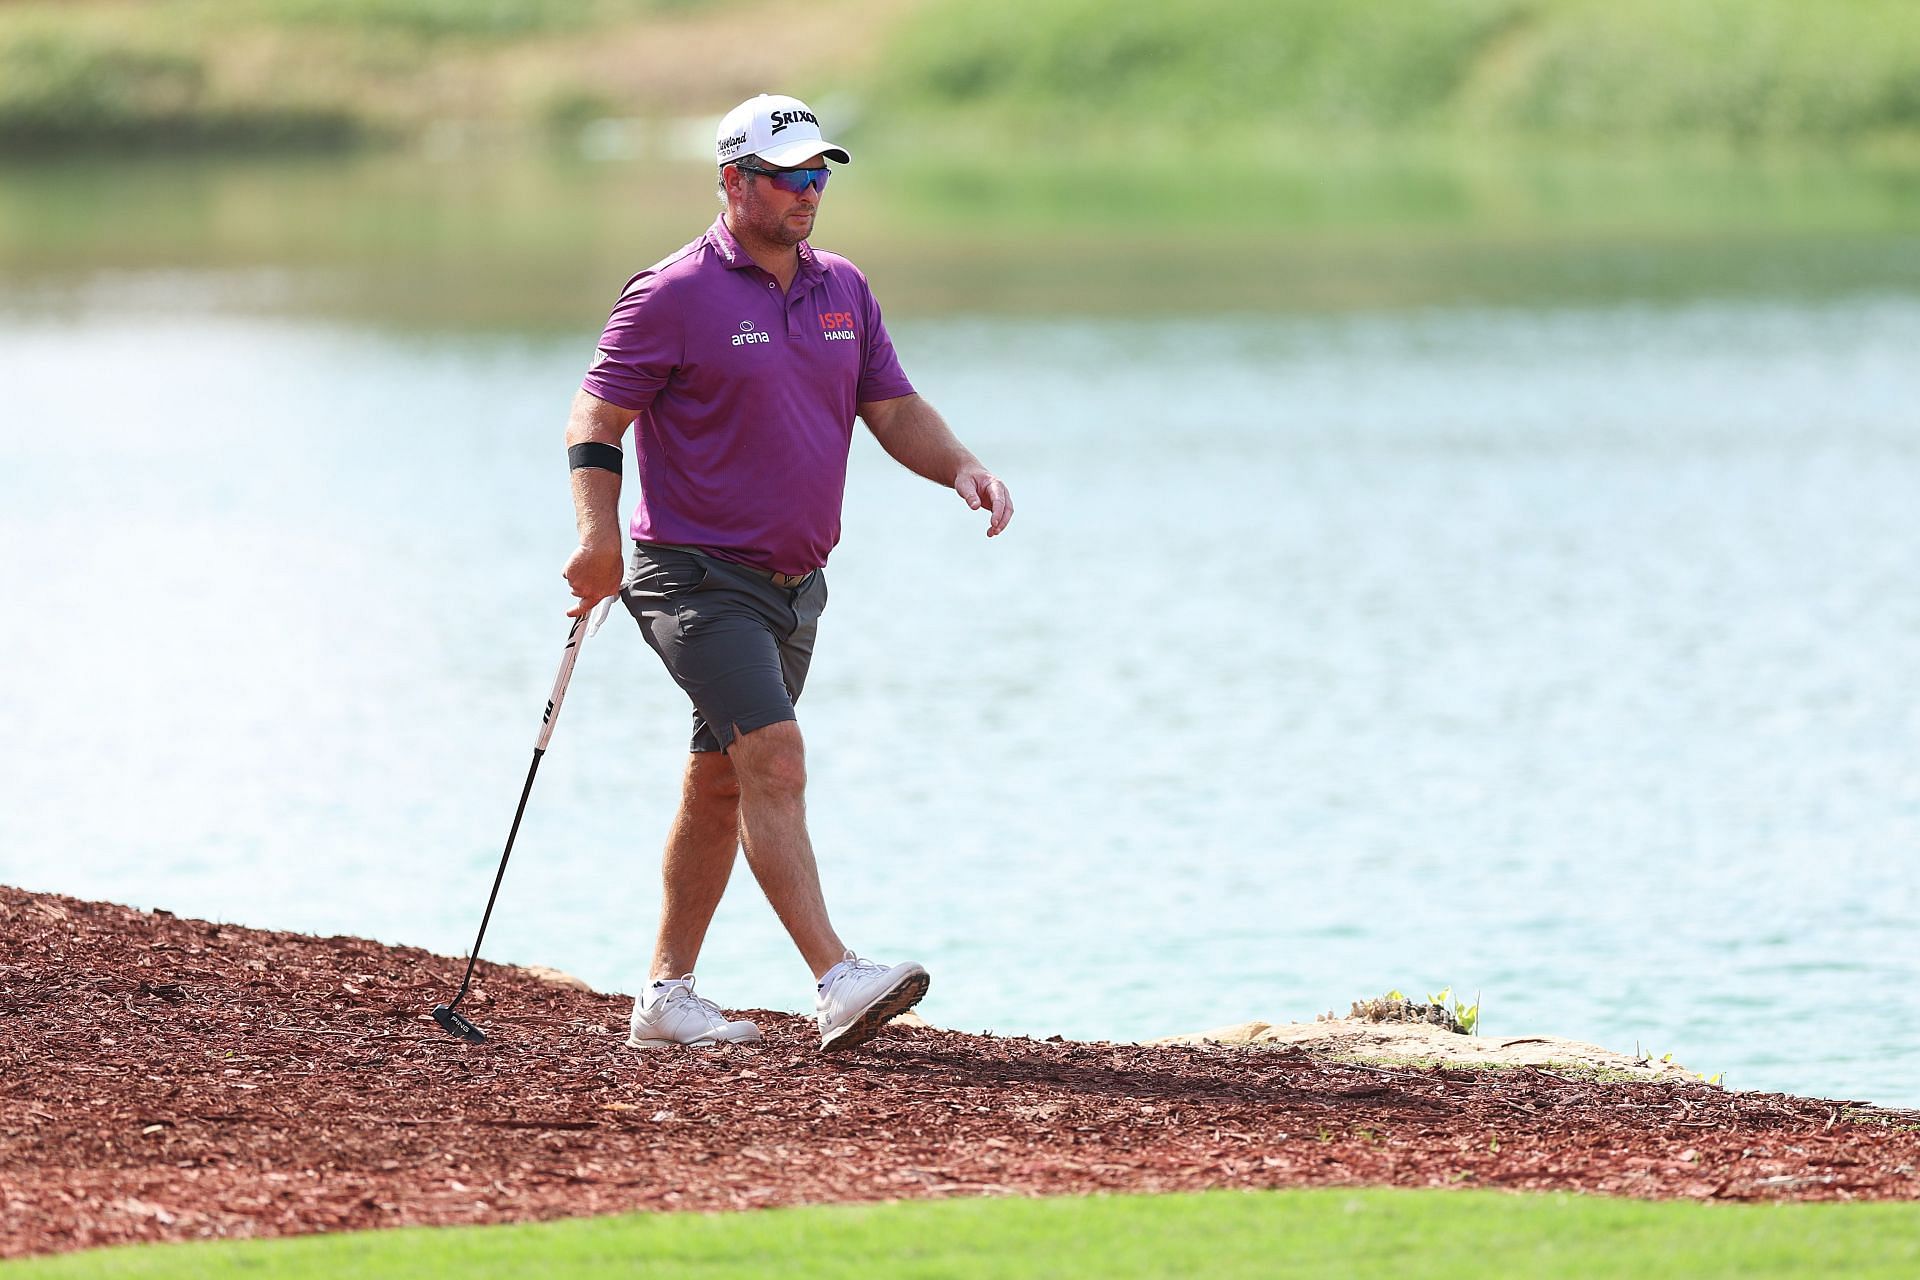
{"x":306,"y":74}
{"x":1742,"y":71}
{"x":1009,"y":74}
{"x":1373,"y":1233}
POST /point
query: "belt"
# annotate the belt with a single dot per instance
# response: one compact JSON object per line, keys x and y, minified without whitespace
{"x":785,"y":581}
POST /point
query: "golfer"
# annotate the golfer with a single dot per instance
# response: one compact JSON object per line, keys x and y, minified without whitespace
{"x":741,"y":362}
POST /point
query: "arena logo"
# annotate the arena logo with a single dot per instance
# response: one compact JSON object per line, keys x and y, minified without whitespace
{"x":748,"y":335}
{"x":781,"y":119}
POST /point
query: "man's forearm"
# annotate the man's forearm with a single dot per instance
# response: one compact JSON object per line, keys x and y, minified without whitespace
{"x":596,"y":491}
{"x":915,"y":435}
{"x":596,"y":506}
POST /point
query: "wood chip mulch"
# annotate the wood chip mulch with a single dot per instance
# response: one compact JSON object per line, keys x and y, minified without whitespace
{"x":167,"y":1079}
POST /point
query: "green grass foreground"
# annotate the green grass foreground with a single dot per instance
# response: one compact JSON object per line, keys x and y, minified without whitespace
{"x":1349,"y":1233}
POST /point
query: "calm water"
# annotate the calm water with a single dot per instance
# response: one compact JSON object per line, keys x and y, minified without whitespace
{"x":1563,"y":653}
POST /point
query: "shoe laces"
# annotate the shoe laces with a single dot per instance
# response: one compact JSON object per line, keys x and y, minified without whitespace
{"x":681,"y":989}
{"x":852,"y":965}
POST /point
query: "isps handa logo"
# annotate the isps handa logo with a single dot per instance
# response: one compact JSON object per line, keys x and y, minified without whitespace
{"x":837,"y":326}
{"x":748,"y":335}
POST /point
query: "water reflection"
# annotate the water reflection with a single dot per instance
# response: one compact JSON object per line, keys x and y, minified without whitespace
{"x":540,"y":243}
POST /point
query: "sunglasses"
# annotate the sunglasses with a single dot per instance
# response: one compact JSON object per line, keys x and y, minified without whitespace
{"x":791,"y":181}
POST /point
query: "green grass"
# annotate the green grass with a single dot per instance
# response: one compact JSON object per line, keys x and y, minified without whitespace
{"x":1742,"y":70}
{"x":491,"y":20}
{"x":1218,"y":1235}
{"x":282,"y":75}
{"x":990,"y":76}
{"x":62,"y":86}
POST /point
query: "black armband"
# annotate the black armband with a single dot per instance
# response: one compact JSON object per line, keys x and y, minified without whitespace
{"x":594,"y":454}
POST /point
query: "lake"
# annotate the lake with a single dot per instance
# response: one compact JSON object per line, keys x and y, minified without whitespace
{"x":1526,"y":606}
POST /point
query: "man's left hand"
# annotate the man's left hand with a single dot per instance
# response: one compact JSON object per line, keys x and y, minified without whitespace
{"x":978,"y":488}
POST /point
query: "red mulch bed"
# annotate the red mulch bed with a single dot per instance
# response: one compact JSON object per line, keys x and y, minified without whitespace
{"x":167,"y":1079}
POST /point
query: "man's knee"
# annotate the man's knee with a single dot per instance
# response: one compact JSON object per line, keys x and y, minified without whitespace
{"x":771,"y":760}
{"x":710,"y":782}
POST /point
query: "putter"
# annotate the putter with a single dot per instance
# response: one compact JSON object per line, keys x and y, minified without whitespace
{"x":447,"y":1014}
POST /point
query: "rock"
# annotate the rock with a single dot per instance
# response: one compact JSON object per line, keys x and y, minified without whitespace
{"x":555,"y":977}
{"x":1238,"y":1033}
{"x":908,"y":1019}
{"x":1420,"y":1042}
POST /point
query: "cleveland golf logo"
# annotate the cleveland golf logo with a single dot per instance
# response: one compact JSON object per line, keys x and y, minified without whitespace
{"x":748,"y":335}
{"x":781,"y":119}
{"x":837,"y":326}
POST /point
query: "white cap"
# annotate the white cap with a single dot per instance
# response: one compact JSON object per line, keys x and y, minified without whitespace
{"x":778,"y":129}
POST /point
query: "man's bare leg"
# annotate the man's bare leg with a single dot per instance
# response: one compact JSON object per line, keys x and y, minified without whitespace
{"x":770,"y":765}
{"x":699,"y":858}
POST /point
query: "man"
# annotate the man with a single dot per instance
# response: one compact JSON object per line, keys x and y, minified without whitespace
{"x":741,"y":362}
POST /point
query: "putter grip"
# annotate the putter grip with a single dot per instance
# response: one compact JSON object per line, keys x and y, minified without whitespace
{"x":576,"y":637}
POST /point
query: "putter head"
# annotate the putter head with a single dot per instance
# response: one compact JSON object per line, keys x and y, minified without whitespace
{"x":455,"y":1025}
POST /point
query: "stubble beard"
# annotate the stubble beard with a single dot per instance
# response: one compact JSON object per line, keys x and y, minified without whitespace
{"x":783,"y":232}
{"x":775,"y":228}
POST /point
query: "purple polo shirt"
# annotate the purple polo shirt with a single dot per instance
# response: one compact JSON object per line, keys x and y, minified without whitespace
{"x":744,"y":399}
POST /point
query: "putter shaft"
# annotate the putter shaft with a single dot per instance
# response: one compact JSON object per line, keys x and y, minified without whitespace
{"x":446,"y":1014}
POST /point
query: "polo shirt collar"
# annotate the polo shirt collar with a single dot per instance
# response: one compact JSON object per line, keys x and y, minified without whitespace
{"x":728,"y":248}
{"x":722,"y":239}
{"x":811,"y":268}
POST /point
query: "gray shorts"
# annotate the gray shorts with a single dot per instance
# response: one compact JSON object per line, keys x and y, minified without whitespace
{"x":736,"y":643}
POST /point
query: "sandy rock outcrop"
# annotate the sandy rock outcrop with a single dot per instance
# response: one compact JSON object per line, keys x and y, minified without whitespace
{"x":555,"y":977}
{"x":1356,"y":1040}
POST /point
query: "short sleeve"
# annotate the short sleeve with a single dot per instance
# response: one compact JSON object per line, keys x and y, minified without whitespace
{"x":640,"y":346}
{"x":881,"y":377}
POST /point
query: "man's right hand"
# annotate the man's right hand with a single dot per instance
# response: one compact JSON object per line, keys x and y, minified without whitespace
{"x":593,"y":574}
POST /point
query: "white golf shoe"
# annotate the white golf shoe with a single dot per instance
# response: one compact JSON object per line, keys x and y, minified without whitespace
{"x":857,"y":997}
{"x":671,"y":1014}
